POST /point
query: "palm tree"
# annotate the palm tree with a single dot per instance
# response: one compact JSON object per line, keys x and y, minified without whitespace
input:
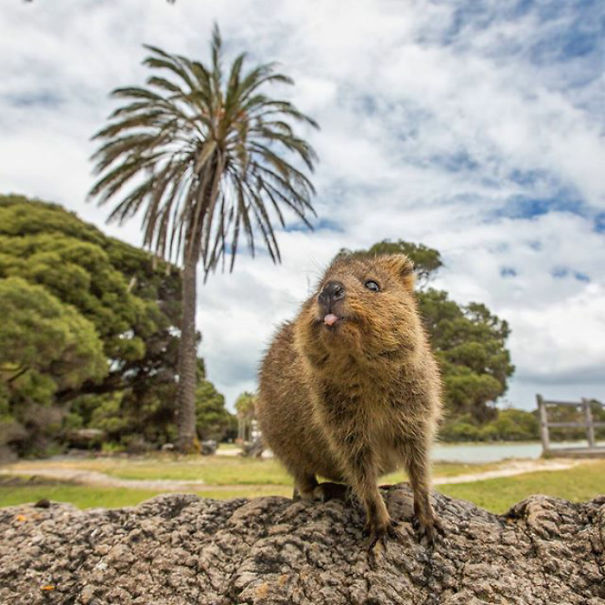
{"x":204,"y":156}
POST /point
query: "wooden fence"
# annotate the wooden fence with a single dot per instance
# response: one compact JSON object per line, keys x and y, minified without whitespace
{"x":588,"y":423}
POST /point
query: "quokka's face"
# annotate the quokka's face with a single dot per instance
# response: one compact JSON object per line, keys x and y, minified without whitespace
{"x":362,"y":306}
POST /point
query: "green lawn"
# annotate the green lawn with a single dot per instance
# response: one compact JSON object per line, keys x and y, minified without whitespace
{"x":78,"y":495}
{"x":577,"y":484}
{"x":228,"y":446}
{"x":212,"y":470}
{"x":497,"y":495}
{"x":107,"y":497}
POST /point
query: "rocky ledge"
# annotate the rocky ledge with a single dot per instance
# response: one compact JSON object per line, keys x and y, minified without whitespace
{"x":179,"y":549}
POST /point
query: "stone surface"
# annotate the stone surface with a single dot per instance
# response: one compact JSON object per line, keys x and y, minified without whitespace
{"x":181,"y":549}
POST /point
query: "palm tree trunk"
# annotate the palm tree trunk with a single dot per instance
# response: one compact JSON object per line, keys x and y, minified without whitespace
{"x":187,"y":437}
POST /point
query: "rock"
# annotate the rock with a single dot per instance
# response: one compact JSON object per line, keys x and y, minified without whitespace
{"x":180,"y":549}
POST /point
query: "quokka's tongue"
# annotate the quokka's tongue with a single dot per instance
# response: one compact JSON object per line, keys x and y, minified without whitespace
{"x":330,"y":319}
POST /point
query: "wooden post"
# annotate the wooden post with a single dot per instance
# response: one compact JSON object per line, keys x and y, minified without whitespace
{"x":543,"y":424}
{"x":589,"y":424}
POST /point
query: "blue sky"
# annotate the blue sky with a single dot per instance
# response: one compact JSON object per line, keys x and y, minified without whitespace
{"x":474,"y":127}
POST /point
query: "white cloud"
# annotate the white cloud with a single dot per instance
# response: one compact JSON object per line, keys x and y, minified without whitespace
{"x":432,"y":121}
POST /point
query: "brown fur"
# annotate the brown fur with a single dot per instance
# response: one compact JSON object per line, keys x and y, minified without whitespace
{"x":357,"y":400}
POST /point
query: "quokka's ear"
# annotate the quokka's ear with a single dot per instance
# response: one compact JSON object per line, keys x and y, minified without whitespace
{"x":402,"y":266}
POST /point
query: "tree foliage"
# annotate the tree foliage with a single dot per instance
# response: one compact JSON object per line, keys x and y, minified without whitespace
{"x":426,"y":260}
{"x":244,"y":405}
{"x":89,"y":334}
{"x":470,"y":344}
{"x":45,"y":346}
{"x":213,"y":421}
{"x":131,"y":299}
{"x":211,"y":145}
{"x":508,"y":424}
{"x":40,"y":335}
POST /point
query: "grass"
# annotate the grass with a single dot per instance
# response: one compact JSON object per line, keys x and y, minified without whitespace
{"x":213,"y":470}
{"x":79,"y":495}
{"x":577,"y":484}
{"x":84,"y":496}
{"x":232,"y":477}
{"x":228,"y":446}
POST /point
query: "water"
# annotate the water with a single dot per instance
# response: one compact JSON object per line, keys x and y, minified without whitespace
{"x":493,"y":452}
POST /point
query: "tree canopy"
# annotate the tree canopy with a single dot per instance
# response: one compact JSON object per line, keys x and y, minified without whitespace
{"x":212,"y":148}
{"x":43,"y":337}
{"x":426,"y":260}
{"x":45,"y":346}
{"x":89,"y":332}
{"x":213,"y":421}
{"x":470,"y":344}
{"x":131,"y":299}
{"x":244,"y":405}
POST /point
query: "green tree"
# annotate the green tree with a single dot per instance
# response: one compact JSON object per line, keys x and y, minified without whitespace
{"x":244,"y":405}
{"x":470,"y":344}
{"x":426,"y":260}
{"x":213,"y":421}
{"x":45,"y":345}
{"x":512,"y":425}
{"x":132,"y":300}
{"x":203,"y":152}
{"x":246,"y":412}
{"x":150,"y":419}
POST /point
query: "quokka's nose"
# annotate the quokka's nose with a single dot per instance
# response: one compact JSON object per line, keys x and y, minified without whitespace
{"x":332,"y":292}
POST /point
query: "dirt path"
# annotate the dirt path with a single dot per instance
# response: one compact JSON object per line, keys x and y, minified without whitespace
{"x":95,"y":478}
{"x":515,"y":467}
{"x":84,"y":477}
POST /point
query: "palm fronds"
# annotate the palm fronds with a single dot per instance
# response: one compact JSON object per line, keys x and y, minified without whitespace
{"x":207,"y":154}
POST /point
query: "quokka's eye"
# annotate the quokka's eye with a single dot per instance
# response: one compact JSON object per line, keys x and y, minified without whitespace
{"x":372,"y":285}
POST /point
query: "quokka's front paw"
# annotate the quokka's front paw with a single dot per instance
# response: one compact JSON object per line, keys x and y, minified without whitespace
{"x":429,"y":530}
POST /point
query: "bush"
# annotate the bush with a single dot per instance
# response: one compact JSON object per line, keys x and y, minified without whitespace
{"x":461,"y":429}
{"x":508,"y":425}
{"x":512,"y":425}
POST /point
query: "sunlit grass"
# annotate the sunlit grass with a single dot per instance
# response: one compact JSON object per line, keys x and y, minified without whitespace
{"x":582,"y":482}
{"x":84,"y":496}
{"x":213,"y":470}
{"x":81,"y":496}
{"x":228,"y":446}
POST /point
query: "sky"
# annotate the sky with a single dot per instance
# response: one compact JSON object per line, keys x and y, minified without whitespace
{"x":475,"y":127}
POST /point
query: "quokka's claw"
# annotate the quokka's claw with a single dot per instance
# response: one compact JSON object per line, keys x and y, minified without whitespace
{"x":382,"y":533}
